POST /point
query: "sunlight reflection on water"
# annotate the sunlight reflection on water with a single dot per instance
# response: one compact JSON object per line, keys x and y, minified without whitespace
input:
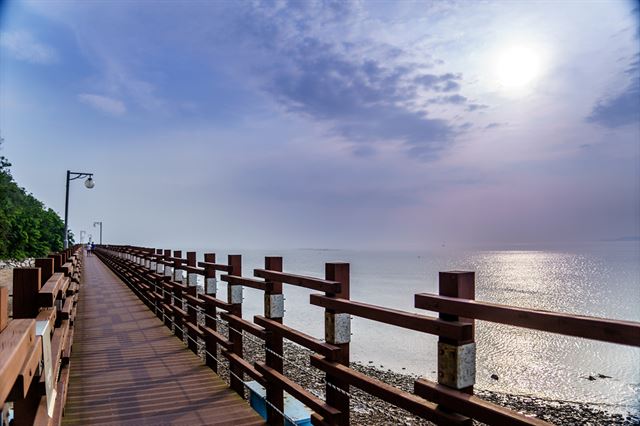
{"x":601,"y":281}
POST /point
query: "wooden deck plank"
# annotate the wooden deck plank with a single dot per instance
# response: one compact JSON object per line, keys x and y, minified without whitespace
{"x":127,"y":367}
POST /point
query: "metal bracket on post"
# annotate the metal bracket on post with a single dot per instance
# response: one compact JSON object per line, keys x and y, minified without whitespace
{"x":273,"y":306}
{"x":457,"y":365}
{"x":192,"y":280}
{"x":211,"y":286}
{"x":337,"y":328}
{"x":234,"y":294}
{"x":177,"y":275}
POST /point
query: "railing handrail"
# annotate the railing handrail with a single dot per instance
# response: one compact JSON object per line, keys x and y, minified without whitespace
{"x":588,"y":327}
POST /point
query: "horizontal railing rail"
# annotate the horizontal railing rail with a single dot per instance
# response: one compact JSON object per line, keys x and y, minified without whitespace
{"x":602,"y":329}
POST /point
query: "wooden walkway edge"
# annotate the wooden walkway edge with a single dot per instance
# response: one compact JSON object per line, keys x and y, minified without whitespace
{"x":127,"y":368}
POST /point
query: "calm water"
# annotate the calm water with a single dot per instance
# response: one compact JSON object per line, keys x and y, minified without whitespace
{"x":601,"y":280}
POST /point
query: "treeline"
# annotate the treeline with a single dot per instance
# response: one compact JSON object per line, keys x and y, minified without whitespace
{"x":27,"y":227}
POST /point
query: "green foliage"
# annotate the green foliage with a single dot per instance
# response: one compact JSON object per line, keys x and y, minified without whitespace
{"x":27,"y":227}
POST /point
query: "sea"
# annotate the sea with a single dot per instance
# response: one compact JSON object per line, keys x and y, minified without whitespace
{"x":598,"y":279}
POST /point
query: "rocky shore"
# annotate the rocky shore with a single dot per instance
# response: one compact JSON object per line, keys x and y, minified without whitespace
{"x":369,"y":410}
{"x":12,"y":263}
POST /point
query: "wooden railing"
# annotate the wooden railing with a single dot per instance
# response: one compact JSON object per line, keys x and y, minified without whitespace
{"x":167,"y":284}
{"x":35,"y":341}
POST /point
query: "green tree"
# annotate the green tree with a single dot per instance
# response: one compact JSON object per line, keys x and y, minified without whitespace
{"x":27,"y":227}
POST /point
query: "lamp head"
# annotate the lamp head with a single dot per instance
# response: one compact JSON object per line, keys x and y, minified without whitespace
{"x":89,"y":183}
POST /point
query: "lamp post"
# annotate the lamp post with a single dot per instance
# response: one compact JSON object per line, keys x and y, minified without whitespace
{"x":99,"y":223}
{"x":89,"y":184}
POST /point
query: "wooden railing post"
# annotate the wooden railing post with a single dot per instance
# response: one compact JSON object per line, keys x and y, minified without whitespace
{"x":166,"y":293}
{"x":457,"y":358}
{"x":177,"y":300}
{"x":46,"y":269}
{"x":210,"y":288}
{"x":26,"y":285}
{"x":4,"y":307}
{"x":148,"y":252}
{"x":274,"y":310}
{"x":177,"y":272}
{"x":234,"y":297}
{"x":210,"y":282}
{"x":153,"y":268}
{"x":192,"y":279}
{"x":337,"y":331}
{"x":57,"y":262}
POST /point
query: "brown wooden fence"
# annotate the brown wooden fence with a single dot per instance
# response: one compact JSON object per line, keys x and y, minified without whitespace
{"x":166,"y":282}
{"x":35,"y":342}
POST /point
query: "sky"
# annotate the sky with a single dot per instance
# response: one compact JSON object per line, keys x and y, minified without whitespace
{"x":370,"y":125}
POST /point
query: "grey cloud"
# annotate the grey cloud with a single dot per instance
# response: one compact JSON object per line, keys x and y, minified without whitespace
{"x":623,"y":108}
{"x":363,"y":151}
{"x":475,"y":107}
{"x":452,"y":99}
{"x":440,"y":83}
{"x":363,"y":99}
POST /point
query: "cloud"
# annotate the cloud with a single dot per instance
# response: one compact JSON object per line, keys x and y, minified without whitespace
{"x":475,"y":107}
{"x":24,"y":47}
{"x":448,"y":82}
{"x":621,"y":109}
{"x":363,"y":151}
{"x":452,"y":99}
{"x":362,"y":99}
{"x":103,"y":103}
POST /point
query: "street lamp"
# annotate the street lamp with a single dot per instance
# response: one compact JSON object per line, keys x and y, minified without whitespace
{"x":99,"y":223}
{"x":89,"y":183}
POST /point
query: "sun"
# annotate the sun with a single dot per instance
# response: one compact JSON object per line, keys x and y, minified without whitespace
{"x":517,"y":67}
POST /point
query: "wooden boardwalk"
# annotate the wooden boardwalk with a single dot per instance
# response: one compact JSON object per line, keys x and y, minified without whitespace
{"x":127,"y":367}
